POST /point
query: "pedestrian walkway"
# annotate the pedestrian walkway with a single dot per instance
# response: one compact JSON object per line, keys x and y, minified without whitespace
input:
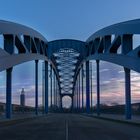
{"x":121,"y":118}
{"x":17,"y":117}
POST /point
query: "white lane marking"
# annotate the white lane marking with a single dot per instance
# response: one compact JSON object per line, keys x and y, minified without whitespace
{"x":67,"y":130}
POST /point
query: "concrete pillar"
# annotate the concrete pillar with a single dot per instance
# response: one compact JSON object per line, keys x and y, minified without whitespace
{"x":127,"y":93}
{"x":98,"y":87}
{"x":8,"y":93}
{"x":87,"y":88}
{"x":36,"y":87}
{"x":46,"y":87}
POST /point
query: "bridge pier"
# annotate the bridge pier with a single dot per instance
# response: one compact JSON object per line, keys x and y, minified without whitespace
{"x":87,"y":88}
{"x":36,"y":87}
{"x":8,"y":93}
{"x":127,"y":94}
{"x":98,"y":87}
{"x":46,"y":87}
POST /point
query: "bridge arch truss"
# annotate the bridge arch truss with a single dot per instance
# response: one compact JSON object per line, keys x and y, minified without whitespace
{"x":67,"y":58}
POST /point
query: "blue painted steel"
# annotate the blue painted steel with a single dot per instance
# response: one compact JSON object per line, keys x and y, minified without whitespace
{"x":36,"y":87}
{"x":51,"y":71}
{"x":7,"y":27}
{"x":8,"y":93}
{"x":79,"y":91}
{"x":56,"y":45}
{"x":98,"y":87}
{"x":46,"y":87}
{"x":127,"y":94}
{"x":91,"y":83}
{"x":82,"y":76}
{"x":87,"y":88}
{"x":101,"y":45}
{"x":127,"y":27}
{"x":54,"y":88}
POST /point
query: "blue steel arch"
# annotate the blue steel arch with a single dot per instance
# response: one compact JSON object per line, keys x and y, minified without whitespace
{"x":102,"y":45}
{"x":77,"y":45}
{"x":73,"y":48}
{"x":31,"y":45}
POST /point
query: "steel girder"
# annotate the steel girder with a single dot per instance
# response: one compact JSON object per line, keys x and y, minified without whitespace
{"x":66,"y":64}
{"x":67,"y":54}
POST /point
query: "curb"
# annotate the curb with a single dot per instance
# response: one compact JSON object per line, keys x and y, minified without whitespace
{"x":15,"y":121}
{"x":115,"y":120}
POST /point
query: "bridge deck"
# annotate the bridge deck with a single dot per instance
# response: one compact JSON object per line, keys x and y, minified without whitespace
{"x":69,"y":127}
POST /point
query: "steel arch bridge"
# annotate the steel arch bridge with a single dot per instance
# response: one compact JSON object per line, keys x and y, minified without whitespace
{"x":66,"y":58}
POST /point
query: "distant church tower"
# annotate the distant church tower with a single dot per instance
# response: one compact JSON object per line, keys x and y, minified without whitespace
{"x":22,"y":98}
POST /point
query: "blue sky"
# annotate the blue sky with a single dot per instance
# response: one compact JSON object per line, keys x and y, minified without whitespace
{"x":76,"y":19}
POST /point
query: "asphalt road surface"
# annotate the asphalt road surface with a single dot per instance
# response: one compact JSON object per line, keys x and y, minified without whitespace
{"x":69,"y":127}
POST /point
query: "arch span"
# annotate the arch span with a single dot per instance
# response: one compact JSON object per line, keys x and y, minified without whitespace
{"x":113,"y":44}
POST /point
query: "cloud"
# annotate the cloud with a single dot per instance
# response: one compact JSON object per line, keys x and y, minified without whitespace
{"x":104,"y":70}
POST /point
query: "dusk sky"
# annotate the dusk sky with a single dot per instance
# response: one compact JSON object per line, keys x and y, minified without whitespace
{"x":73,"y":19}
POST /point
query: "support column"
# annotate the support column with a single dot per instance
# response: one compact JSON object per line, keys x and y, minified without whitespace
{"x":46,"y":87}
{"x":61,"y":102}
{"x":82,"y":87}
{"x":77,"y":94}
{"x":72,"y":102}
{"x":56,"y":93}
{"x":43,"y":87}
{"x":91,"y":83}
{"x":79,"y":91}
{"x":87,"y":88}
{"x":127,"y":93}
{"x":98,"y":87}
{"x":36,"y":87}
{"x":53,"y":88}
{"x":51,"y":83}
{"x":74,"y":97}
{"x":8,"y":93}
